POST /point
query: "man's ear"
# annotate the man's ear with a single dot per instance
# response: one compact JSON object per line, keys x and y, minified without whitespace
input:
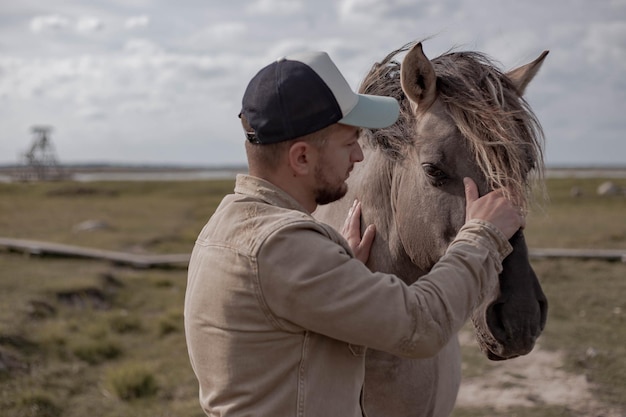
{"x":301,"y":158}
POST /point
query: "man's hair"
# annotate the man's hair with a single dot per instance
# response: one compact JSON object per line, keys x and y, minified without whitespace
{"x":268,"y":156}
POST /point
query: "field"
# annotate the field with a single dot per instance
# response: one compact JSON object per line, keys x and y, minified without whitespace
{"x":88,"y":338}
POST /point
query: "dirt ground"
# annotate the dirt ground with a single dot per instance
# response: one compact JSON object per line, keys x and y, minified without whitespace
{"x":534,"y":380}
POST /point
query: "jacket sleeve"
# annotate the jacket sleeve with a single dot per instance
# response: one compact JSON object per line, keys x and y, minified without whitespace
{"x":308,"y":282}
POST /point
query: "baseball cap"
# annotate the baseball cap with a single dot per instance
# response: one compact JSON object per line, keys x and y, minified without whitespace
{"x":303,"y":93}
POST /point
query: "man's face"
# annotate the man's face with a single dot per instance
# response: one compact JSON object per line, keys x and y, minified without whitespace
{"x":336,"y":159}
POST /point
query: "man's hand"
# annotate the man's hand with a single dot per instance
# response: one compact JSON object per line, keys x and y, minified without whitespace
{"x":493,"y":208}
{"x":351,"y":230}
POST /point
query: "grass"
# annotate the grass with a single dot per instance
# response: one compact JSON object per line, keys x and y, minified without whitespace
{"x":82,"y":337}
{"x":588,"y":221}
{"x":132,"y":381}
{"x":589,"y":315}
{"x":587,"y":305}
{"x":159,"y":217}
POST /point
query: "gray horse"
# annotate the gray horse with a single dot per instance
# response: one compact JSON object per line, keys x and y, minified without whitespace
{"x":460,"y":117}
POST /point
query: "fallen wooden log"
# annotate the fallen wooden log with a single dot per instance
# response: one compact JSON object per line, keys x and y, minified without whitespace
{"x":34,"y":247}
{"x":606,"y":254}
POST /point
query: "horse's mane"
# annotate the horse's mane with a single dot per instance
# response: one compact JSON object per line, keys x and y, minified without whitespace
{"x":501,"y":128}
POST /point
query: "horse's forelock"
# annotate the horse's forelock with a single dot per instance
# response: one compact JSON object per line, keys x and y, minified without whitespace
{"x":501,"y":128}
{"x":503,"y":132}
{"x":384,"y":80}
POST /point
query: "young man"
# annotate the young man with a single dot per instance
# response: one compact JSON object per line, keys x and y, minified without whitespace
{"x":280,"y":307}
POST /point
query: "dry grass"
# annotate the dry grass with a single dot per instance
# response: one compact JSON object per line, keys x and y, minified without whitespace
{"x":83,"y":337}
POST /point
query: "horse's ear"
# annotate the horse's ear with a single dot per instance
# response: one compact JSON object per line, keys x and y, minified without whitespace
{"x":418,"y":78}
{"x":523,"y":75}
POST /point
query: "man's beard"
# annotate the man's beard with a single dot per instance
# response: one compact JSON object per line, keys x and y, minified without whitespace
{"x":326,"y":192}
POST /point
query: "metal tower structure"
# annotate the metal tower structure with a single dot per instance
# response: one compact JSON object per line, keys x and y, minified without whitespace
{"x":40,"y":161}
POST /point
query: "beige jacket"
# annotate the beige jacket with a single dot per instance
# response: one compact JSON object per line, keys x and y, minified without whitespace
{"x":277,"y":310}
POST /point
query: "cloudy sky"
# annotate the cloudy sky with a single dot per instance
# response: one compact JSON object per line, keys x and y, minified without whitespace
{"x":160,"y":81}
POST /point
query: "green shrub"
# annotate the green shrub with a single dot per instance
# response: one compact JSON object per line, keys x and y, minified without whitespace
{"x":97,"y":351}
{"x":124,"y":323}
{"x":170,"y":322}
{"x":39,"y":405}
{"x":132,"y":381}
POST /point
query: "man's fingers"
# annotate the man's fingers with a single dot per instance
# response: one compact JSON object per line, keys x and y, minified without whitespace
{"x":368,"y":237}
{"x":362,"y":250}
{"x":471,"y":189}
{"x":349,"y":220}
{"x":355,"y":216}
{"x":471,"y":192}
{"x":351,"y":231}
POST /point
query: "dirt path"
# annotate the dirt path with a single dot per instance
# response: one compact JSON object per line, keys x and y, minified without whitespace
{"x":535,"y":380}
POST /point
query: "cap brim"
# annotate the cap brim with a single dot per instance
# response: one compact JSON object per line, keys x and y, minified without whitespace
{"x":373,"y":112}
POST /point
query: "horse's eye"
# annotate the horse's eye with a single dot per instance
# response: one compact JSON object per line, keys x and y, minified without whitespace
{"x":434,"y":174}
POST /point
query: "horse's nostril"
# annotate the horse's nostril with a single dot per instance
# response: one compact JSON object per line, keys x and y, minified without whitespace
{"x":495,"y":321}
{"x":543,"y":311}
{"x":514,"y":330}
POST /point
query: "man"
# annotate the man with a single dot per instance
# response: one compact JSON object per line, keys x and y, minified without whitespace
{"x":279,"y":309}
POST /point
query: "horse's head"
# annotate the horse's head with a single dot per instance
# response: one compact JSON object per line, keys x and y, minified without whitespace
{"x":461,"y":117}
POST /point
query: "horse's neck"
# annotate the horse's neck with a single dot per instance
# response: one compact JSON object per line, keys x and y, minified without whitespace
{"x":372,"y":183}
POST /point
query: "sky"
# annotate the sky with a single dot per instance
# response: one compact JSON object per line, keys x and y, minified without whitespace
{"x":161,"y":81}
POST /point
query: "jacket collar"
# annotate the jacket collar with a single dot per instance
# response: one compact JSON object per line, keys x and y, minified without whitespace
{"x":266,"y":191}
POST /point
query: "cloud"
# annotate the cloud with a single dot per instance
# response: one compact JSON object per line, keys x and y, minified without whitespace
{"x":142,"y":47}
{"x":91,"y":113}
{"x":513,"y":47}
{"x":141,"y":78}
{"x":50,"y":22}
{"x":137,"y":22}
{"x":228,"y":30}
{"x":276,"y":7}
{"x":57,"y":22}
{"x":388,"y":11}
{"x":89,"y":24}
{"x":217,"y":37}
{"x":363,"y":9}
{"x":75,"y":68}
{"x":605,"y":43}
{"x":217,"y":34}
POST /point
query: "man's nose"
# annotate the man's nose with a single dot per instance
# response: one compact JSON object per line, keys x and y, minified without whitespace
{"x":357,"y":155}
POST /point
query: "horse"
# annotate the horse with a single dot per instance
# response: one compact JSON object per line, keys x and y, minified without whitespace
{"x":460,"y":117}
